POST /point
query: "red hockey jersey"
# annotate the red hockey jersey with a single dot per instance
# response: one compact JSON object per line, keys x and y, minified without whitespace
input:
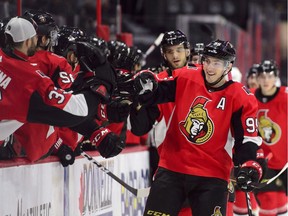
{"x":197,"y":142}
{"x":272,"y":121}
{"x":27,"y":94}
{"x":166,"y":109}
{"x":54,"y":66}
{"x":30,"y":135}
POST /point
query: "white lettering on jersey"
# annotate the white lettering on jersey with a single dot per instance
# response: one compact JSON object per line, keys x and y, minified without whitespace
{"x":221,"y":104}
{"x":64,"y":77}
{"x":4,"y":80}
{"x":0,"y":58}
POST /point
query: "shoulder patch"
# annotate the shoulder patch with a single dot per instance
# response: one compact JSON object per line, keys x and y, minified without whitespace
{"x":247,"y":90}
{"x":41,"y":74}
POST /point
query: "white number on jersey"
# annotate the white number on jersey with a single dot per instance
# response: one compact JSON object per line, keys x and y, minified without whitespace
{"x":57,"y":95}
{"x":252,"y":125}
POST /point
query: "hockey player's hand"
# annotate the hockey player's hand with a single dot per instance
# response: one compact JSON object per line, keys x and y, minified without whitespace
{"x":65,"y":155}
{"x":108,"y":143}
{"x":144,"y":82}
{"x":250,"y":172}
{"x":93,"y":55}
{"x":116,"y":111}
{"x":99,"y":76}
{"x":100,"y":87}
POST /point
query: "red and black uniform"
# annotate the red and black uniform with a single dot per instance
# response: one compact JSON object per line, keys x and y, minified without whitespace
{"x":56,"y":67}
{"x":197,"y":157}
{"x":40,"y":101}
{"x":272,"y":120}
{"x":31,"y":134}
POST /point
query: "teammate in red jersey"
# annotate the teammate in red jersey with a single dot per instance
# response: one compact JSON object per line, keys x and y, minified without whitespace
{"x":41,"y":101}
{"x":196,"y":159}
{"x":60,"y":71}
{"x":272,"y":118}
{"x":175,"y":52}
{"x":56,"y":67}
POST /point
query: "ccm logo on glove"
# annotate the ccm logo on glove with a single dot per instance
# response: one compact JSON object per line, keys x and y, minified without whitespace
{"x":100,"y":136}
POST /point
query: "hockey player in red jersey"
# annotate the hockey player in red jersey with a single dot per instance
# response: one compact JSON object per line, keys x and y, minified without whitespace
{"x":59,"y":70}
{"x":175,"y":52}
{"x":272,"y":120}
{"x":56,"y":67}
{"x":41,"y":101}
{"x":196,"y":159}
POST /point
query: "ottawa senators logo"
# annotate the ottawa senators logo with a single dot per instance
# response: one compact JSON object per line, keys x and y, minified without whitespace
{"x":270,"y":131}
{"x":217,"y":211}
{"x":197,"y":127}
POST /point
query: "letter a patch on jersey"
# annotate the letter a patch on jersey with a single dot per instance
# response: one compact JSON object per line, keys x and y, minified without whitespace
{"x":221,"y":104}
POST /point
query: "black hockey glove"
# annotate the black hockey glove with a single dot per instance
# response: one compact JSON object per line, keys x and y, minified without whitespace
{"x":92,"y":54}
{"x":99,"y":76}
{"x":116,"y":111}
{"x":65,"y":154}
{"x":108,"y":143}
{"x":249,"y":173}
{"x":125,"y":86}
{"x":145,"y":81}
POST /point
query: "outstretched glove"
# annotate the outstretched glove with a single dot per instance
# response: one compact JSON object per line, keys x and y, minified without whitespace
{"x":108,"y":143}
{"x":65,"y":155}
{"x":99,"y":76}
{"x":116,"y":111}
{"x":144,"y":82}
{"x":249,"y":173}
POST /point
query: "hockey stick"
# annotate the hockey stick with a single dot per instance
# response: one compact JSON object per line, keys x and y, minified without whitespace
{"x":249,"y":206}
{"x":265,"y":182}
{"x":143,"y":192}
{"x":154,"y":45}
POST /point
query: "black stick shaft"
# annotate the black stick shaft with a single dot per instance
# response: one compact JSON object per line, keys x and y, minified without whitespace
{"x":249,"y":206}
{"x":104,"y":169}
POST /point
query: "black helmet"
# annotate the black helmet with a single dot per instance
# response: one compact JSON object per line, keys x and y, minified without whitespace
{"x":101,"y":44}
{"x":44,"y":20}
{"x":126,"y":58}
{"x":114,"y":46}
{"x":220,"y":49}
{"x":67,"y":38}
{"x":253,"y":70}
{"x":197,"y":49}
{"x":172,"y":38}
{"x":268,"y":66}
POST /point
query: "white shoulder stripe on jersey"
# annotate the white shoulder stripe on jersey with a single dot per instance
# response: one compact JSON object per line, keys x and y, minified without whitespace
{"x":77,"y":105}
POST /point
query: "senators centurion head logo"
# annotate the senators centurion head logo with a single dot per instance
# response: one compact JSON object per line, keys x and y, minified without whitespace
{"x":270,"y":131}
{"x":197,"y":127}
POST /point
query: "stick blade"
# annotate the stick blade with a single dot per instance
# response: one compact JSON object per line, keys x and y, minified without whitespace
{"x":143,"y":192}
{"x":159,"y":39}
